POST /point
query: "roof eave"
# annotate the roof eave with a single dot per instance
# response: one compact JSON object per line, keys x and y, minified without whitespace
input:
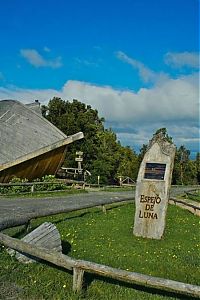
{"x":68,"y":140}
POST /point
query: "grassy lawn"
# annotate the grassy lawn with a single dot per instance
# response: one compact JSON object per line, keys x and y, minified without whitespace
{"x":107,"y":239}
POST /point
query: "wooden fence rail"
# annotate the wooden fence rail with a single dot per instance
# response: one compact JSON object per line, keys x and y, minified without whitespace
{"x":185,"y":205}
{"x":80,"y":266}
{"x":42,"y":183}
{"x":192,"y":194}
{"x":61,"y":181}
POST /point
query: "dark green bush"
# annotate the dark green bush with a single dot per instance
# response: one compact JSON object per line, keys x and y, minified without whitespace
{"x":51,"y":184}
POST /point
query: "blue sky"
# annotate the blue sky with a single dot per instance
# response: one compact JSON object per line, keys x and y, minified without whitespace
{"x":136,"y":61}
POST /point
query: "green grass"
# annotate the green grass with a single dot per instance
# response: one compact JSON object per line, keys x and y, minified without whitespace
{"x":108,"y":239}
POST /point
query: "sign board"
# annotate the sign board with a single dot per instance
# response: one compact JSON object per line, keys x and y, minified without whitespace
{"x":79,"y":159}
{"x":79,"y":153}
{"x":152,"y":188}
{"x":154,"y":171}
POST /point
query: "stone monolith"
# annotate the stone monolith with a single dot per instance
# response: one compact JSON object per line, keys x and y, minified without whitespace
{"x":152,"y":188}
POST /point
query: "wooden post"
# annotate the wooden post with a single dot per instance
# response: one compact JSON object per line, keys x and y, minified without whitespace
{"x":104,"y":209}
{"x":32,"y":188}
{"x":77,"y":279}
{"x":28,"y":226}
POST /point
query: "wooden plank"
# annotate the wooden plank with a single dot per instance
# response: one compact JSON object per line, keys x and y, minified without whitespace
{"x":54,"y":257}
{"x":70,"y":263}
{"x":46,"y":236}
{"x":133,"y":277}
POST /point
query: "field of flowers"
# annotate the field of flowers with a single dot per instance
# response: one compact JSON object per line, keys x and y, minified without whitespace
{"x":107,"y":239}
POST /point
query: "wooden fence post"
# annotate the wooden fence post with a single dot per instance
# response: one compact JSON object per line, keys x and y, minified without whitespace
{"x":104,"y":209}
{"x":32,"y":188}
{"x":28,"y":226}
{"x":77,"y":279}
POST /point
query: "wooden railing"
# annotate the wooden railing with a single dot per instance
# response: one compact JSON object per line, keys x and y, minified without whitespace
{"x":192,"y":194}
{"x":185,"y":205}
{"x":73,"y":183}
{"x":80,"y":266}
{"x":33,"y":184}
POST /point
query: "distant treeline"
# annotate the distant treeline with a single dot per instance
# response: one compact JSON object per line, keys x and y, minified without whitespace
{"x":104,"y":156}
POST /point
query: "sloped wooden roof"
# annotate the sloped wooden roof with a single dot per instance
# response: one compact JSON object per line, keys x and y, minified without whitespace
{"x":25,"y":134}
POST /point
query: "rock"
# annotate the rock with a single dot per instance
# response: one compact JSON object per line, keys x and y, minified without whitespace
{"x":152,"y":188}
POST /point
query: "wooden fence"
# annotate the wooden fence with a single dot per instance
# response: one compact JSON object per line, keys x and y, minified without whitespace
{"x":192,"y":194}
{"x":73,"y":183}
{"x":32,"y":185}
{"x":80,"y":266}
{"x":185,"y":205}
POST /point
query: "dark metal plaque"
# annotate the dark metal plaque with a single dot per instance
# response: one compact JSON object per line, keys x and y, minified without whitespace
{"x":154,"y":171}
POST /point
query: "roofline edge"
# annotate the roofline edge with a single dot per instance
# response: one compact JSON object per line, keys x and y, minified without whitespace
{"x":68,"y":140}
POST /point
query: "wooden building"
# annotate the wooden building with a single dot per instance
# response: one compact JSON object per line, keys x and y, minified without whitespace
{"x":30,"y":146}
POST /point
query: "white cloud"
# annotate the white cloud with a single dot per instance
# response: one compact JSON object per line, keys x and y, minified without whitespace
{"x":86,"y":62}
{"x":182,"y":134}
{"x":27,"y":95}
{"x":145,"y":73}
{"x":37,"y":60}
{"x":182,"y":59}
{"x":135,"y":116}
{"x":173,"y":100}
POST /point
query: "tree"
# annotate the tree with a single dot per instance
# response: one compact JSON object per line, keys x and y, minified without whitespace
{"x":197,"y":162}
{"x":108,"y":156}
{"x":181,"y":172}
{"x":143,"y":150}
{"x":128,"y":163}
{"x":103,"y":155}
{"x":72,"y":117}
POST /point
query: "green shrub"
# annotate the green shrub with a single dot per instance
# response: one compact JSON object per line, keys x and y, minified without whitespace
{"x":6,"y":190}
{"x":52,"y":184}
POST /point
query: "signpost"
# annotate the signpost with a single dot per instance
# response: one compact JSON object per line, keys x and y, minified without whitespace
{"x":152,"y":188}
{"x":79,"y":159}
